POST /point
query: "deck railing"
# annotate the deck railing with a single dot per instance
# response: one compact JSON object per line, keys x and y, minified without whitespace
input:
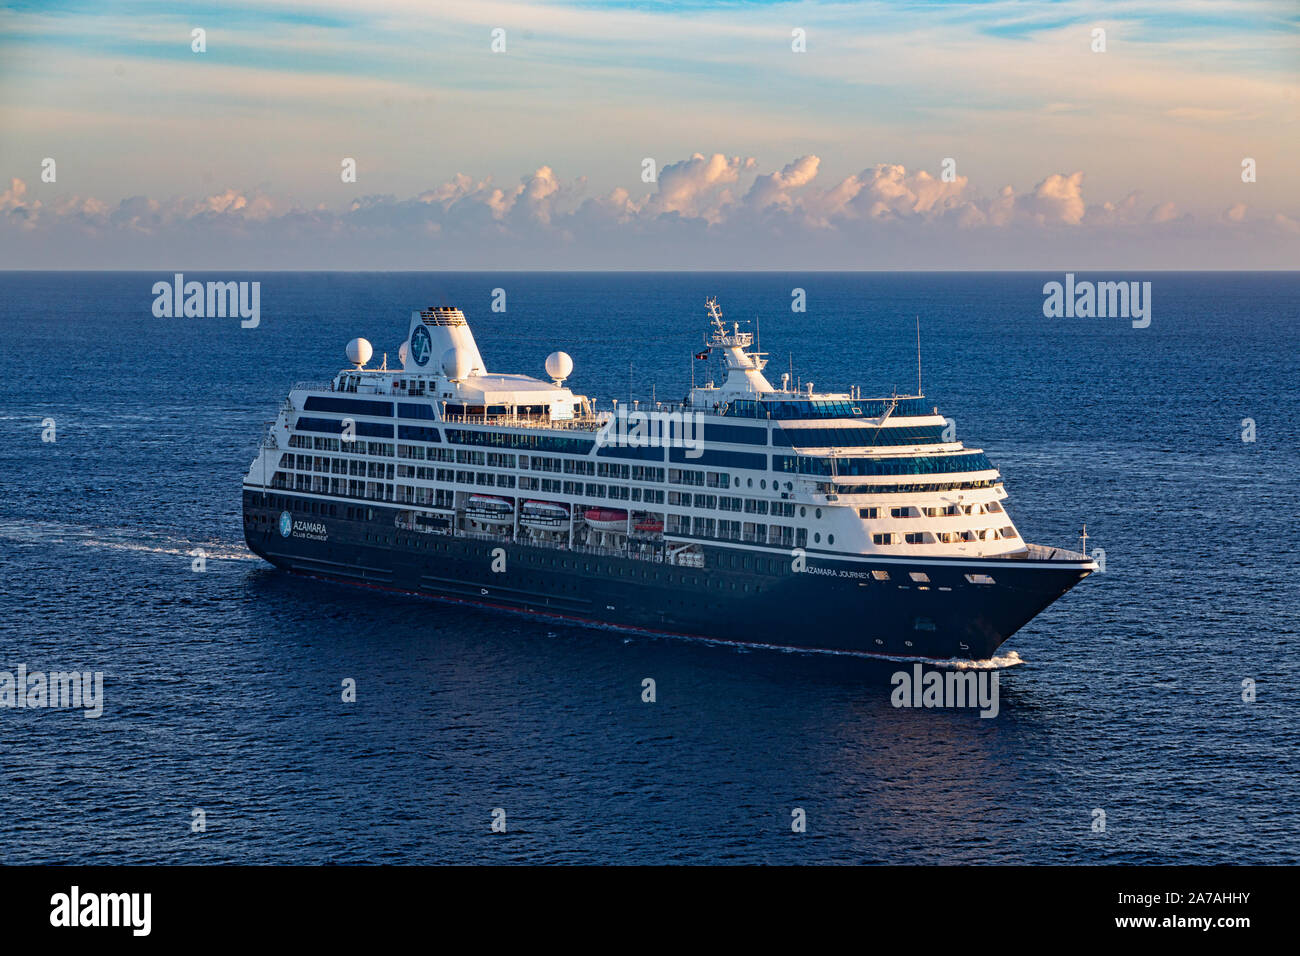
{"x":1039,"y":552}
{"x":590,"y":424}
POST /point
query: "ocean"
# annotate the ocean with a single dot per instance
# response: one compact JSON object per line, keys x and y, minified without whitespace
{"x":222,"y":688}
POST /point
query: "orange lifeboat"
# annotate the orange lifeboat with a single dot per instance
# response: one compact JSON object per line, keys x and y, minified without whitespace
{"x":606,"y":519}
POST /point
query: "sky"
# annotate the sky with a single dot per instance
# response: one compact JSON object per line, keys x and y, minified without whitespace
{"x":948,"y":134}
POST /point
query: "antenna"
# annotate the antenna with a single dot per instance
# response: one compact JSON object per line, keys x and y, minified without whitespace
{"x":919,"y":393}
{"x":715,"y":314}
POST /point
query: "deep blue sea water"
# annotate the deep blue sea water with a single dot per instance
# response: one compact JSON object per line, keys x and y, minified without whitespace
{"x":223,"y":688}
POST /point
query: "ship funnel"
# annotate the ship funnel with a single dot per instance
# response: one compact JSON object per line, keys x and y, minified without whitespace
{"x":433,"y":333}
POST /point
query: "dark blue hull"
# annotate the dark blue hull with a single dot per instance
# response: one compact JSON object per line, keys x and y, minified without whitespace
{"x":750,"y":596}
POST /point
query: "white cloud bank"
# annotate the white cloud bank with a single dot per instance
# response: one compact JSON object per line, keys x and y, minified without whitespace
{"x":704,"y":212}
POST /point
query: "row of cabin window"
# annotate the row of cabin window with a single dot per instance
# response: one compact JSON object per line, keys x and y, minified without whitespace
{"x":373,"y":449}
{"x":943,"y":537}
{"x":912,"y":511}
{"x":908,"y":488}
{"x":338,"y":466}
{"x":338,"y":487}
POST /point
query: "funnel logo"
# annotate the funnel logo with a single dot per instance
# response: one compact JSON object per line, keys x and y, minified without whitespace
{"x":421,"y":345}
{"x":286,"y":524}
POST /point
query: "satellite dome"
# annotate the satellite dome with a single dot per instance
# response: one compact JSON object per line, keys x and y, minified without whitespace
{"x":401,"y":353}
{"x":559,"y":366}
{"x":456,"y":364}
{"x":359,"y":352}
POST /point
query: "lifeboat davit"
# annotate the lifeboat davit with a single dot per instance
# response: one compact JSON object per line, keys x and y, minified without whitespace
{"x":490,"y":509}
{"x":606,"y":519}
{"x":546,"y":515}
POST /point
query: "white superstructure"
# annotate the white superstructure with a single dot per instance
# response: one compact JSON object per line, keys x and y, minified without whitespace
{"x":771,"y":469}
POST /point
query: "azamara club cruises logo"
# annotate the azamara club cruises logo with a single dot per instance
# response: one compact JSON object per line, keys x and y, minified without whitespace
{"x":421,"y":345}
{"x":312,"y":530}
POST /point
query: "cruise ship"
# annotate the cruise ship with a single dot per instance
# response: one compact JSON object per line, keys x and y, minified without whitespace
{"x":748,"y":512}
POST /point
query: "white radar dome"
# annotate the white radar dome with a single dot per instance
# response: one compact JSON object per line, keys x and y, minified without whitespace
{"x":456,"y":364}
{"x":401,"y":354}
{"x":559,"y":365}
{"x":359,"y":352}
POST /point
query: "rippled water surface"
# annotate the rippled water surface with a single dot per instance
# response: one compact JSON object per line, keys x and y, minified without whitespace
{"x":223,"y":688}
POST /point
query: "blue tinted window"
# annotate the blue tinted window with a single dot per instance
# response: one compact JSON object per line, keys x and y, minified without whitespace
{"x":334,"y":426}
{"x":868,"y":436}
{"x":794,"y":409}
{"x":919,"y":465}
{"x":626,"y":451}
{"x":415,"y":410}
{"x":718,"y":459}
{"x":417,"y":433}
{"x":735,"y":434}
{"x":354,"y":406}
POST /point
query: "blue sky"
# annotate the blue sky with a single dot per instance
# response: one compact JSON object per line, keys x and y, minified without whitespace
{"x":1060,"y":151}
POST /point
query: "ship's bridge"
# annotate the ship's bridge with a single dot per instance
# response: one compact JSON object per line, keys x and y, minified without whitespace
{"x":744,"y":368}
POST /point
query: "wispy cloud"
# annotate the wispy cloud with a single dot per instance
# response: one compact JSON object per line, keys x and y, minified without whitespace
{"x":705,"y":211}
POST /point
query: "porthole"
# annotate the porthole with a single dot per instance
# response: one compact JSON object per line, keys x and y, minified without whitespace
{"x":803,"y":512}
{"x":819,"y":512}
{"x":830,"y":539}
{"x":817,"y":538}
